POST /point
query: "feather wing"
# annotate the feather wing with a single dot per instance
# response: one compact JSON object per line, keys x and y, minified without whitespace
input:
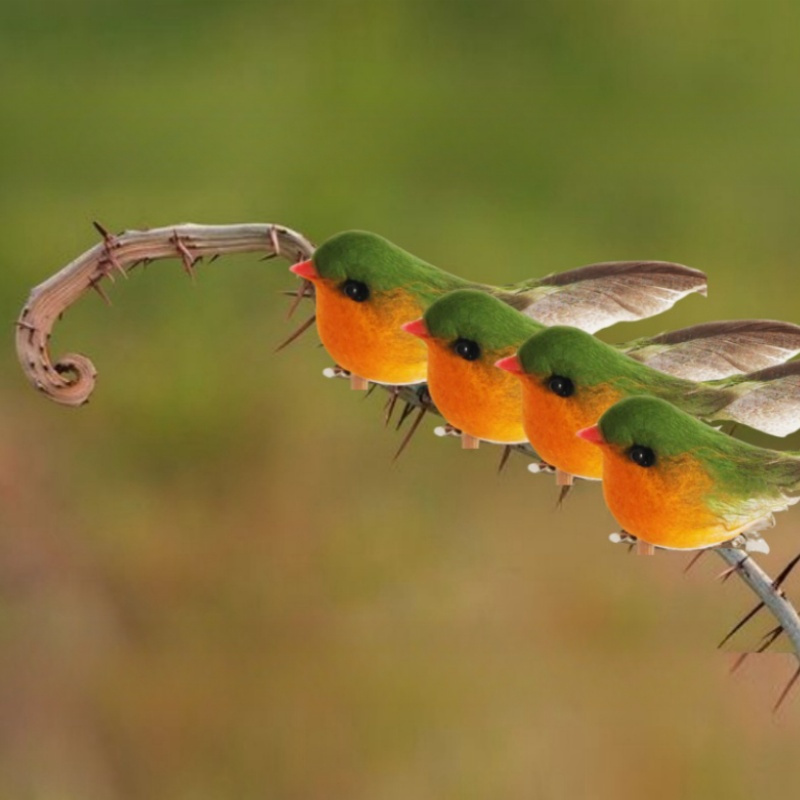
{"x":718,"y":349}
{"x":598,"y":295}
{"x":768,"y":400}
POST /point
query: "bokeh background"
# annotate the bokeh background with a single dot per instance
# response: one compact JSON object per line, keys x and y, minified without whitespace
{"x":213,"y":582}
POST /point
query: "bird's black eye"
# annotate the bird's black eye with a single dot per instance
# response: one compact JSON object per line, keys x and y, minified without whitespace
{"x":643,"y":456}
{"x":467,"y":349}
{"x":561,"y":386}
{"x":356,"y":290}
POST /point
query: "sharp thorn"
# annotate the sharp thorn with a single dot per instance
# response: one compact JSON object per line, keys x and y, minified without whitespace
{"x":214,"y":258}
{"x":101,"y":229}
{"x":786,"y":691}
{"x":371,"y":389}
{"x":301,"y":293}
{"x":267,"y":257}
{"x":725,"y":574}
{"x":390,"y":405}
{"x":695,"y":558}
{"x":769,"y":638}
{"x":99,"y":289}
{"x":273,"y":237}
{"x":740,"y":624}
{"x":111,"y":260}
{"x":410,"y":433}
{"x":739,"y":661}
{"x":109,"y":242}
{"x":504,"y":458}
{"x":784,"y":573}
{"x":408,"y":408}
{"x":302,"y":329}
{"x":562,"y":494}
{"x":183,"y":251}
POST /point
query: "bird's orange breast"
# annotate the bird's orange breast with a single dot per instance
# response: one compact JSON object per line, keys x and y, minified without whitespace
{"x":667,"y":504}
{"x":366,"y":338}
{"x":552,"y":422}
{"x":474,"y":396}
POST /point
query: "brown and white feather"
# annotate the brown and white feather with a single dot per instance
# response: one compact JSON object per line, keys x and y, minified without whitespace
{"x":599,"y":295}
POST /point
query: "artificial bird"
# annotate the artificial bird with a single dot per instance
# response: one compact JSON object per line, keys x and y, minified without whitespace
{"x":675,"y":482}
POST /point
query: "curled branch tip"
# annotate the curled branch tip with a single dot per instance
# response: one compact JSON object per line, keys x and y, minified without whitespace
{"x":71,"y":378}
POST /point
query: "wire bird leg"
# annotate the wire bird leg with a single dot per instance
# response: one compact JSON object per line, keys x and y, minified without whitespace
{"x":71,"y":378}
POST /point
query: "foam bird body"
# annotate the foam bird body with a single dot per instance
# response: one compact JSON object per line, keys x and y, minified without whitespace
{"x":569,"y":379}
{"x":675,"y":482}
{"x":366,"y":288}
{"x":467,"y":332}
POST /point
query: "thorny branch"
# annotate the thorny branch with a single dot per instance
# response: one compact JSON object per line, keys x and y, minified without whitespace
{"x":71,"y":379}
{"x":772,"y":596}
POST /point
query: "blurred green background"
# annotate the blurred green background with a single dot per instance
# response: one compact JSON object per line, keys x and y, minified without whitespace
{"x":213,"y":581}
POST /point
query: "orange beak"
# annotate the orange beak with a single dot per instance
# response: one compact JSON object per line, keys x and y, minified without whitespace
{"x":305,"y":269}
{"x":417,"y":328}
{"x":592,"y":434}
{"x":510,"y":364}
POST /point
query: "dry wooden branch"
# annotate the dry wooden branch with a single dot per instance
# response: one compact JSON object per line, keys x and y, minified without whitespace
{"x":71,"y":379}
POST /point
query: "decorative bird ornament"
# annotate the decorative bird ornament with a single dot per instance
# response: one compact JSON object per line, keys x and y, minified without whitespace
{"x":675,"y":482}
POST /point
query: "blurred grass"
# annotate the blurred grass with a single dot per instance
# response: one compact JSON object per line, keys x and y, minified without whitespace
{"x":213,"y":582}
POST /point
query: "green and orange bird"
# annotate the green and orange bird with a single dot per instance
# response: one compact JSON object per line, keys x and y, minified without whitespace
{"x":366,"y":288}
{"x":467,"y":332}
{"x":675,"y":482}
{"x":569,"y":379}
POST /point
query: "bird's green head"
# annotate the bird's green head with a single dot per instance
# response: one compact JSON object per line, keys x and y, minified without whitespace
{"x":477,"y":323}
{"x":654,"y":433}
{"x":363,"y":263}
{"x":648,"y":429}
{"x":574,"y":354}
